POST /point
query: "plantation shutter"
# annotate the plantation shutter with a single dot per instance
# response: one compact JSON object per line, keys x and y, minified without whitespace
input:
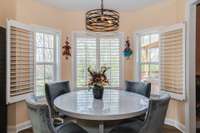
{"x":20,"y":61}
{"x":85,"y":57}
{"x":96,"y":50}
{"x":110,"y":57}
{"x":172,"y":61}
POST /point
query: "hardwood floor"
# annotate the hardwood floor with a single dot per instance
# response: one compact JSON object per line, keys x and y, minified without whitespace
{"x":167,"y":129}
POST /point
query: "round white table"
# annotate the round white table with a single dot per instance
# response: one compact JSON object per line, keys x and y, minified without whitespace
{"x":115,"y":105}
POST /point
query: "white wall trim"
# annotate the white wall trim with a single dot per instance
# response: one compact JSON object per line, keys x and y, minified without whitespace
{"x":19,"y":127}
{"x":190,"y":113}
{"x":175,"y":124}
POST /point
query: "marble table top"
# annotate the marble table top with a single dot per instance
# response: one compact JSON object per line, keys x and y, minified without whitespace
{"x":115,"y":105}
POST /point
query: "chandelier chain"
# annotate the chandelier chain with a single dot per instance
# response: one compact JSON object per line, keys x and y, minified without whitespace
{"x":102,"y":7}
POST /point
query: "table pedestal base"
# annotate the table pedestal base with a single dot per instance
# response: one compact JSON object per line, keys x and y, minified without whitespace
{"x":101,"y":127}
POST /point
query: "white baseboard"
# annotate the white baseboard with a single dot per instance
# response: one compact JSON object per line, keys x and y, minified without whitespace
{"x":175,"y":124}
{"x":19,"y":127}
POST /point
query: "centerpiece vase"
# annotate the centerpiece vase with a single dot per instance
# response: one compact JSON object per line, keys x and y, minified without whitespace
{"x":98,"y":92}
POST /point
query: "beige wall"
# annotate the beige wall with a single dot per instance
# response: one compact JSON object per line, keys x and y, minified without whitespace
{"x":7,"y":11}
{"x":164,"y":13}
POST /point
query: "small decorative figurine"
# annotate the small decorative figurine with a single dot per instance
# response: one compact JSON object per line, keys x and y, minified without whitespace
{"x":127,"y":51}
{"x":66,"y":49}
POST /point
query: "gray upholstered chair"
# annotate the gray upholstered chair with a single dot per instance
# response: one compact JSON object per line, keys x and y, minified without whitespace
{"x":53,"y":90}
{"x":42,"y":122}
{"x":141,"y":88}
{"x":154,"y":121}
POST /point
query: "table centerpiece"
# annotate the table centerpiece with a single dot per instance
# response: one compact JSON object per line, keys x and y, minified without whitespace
{"x":97,"y":81}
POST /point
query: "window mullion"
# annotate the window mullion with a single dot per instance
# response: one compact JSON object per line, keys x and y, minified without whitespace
{"x":140,"y":59}
{"x":98,"y":54}
{"x":44,"y":57}
{"x":86,"y":63}
{"x":54,"y":58}
{"x":149,"y":57}
{"x":110,"y":63}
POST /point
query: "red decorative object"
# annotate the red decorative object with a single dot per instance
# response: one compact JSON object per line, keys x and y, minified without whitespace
{"x":67,"y":48}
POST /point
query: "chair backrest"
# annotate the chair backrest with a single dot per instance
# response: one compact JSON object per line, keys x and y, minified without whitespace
{"x":141,"y":88}
{"x":158,"y":106}
{"x":39,"y":116}
{"x":53,"y":90}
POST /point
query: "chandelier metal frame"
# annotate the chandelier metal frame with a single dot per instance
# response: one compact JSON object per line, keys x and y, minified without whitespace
{"x":102,"y":20}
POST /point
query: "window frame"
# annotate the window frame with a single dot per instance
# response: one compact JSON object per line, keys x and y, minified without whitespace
{"x":149,"y":62}
{"x":57,"y":52}
{"x":76,"y":34}
{"x":137,"y":41}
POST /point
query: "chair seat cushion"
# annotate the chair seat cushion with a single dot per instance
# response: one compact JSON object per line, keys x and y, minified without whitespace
{"x":130,"y":127}
{"x":70,"y":128}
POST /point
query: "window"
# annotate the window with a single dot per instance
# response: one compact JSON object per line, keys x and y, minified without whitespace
{"x":46,"y":60}
{"x":32,"y":59}
{"x":161,"y":60}
{"x":149,"y":59}
{"x":96,"y":51}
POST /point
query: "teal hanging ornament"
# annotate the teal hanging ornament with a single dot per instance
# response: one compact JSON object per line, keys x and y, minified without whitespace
{"x":127,"y":51}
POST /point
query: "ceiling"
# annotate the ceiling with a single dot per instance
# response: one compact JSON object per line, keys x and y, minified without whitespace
{"x":78,"y":5}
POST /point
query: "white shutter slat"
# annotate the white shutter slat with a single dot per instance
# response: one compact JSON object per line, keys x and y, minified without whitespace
{"x":172,"y":61}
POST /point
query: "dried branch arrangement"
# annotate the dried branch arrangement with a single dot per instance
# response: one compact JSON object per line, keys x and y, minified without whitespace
{"x":66,"y":49}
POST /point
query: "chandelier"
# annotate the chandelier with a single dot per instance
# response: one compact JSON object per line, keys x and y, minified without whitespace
{"x":102,"y":20}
